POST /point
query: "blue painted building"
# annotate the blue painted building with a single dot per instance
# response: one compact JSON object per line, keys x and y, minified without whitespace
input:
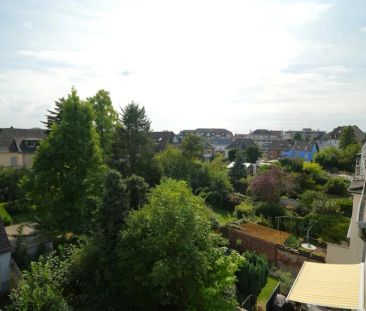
{"x":302,"y":150}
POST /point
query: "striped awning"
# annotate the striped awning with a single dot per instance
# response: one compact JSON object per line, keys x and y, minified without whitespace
{"x":330,"y":285}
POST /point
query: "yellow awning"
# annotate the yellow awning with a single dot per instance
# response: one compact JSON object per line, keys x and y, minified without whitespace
{"x":329,"y":285}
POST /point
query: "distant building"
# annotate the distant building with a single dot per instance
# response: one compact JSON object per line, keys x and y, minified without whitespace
{"x":277,"y":147}
{"x":332,"y":139}
{"x":302,"y":150}
{"x":306,"y":134}
{"x":18,"y":146}
{"x":208,"y":133}
{"x":219,"y":144}
{"x":239,"y":144}
{"x":263,"y":138}
{"x":163,"y":139}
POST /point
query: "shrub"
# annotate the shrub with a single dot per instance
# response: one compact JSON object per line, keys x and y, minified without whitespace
{"x":6,"y":218}
{"x":345,"y":206}
{"x":285,"y":278}
{"x":336,"y":186}
{"x":244,"y":210}
{"x":270,"y":210}
{"x":253,"y":274}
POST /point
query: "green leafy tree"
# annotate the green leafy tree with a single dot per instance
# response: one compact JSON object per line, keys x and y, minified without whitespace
{"x":328,"y":158}
{"x":114,"y":208}
{"x":192,"y":147}
{"x":292,"y":165}
{"x":41,"y":288}
{"x":54,"y":116}
{"x":133,"y":148}
{"x":252,"y":154}
{"x":238,"y":172}
{"x":106,"y":119}
{"x":137,"y":189}
{"x":67,"y":171}
{"x":298,"y":137}
{"x":180,"y":263}
{"x":348,"y":137}
{"x":252,"y":275}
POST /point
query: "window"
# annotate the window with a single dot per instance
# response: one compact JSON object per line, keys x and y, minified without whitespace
{"x":13,"y":161}
{"x":30,"y":143}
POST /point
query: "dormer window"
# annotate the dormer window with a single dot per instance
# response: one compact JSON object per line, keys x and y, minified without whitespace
{"x":30,"y":143}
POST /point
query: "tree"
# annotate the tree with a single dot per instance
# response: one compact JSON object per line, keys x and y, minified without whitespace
{"x":252,"y":275}
{"x":133,"y":148}
{"x":55,"y":115}
{"x":106,"y":119}
{"x":348,"y":137}
{"x":41,"y":288}
{"x":271,"y":184}
{"x":192,"y":147}
{"x":328,"y":158}
{"x":238,"y":172}
{"x":137,"y":189}
{"x":297,"y":137}
{"x":252,"y":154}
{"x":180,"y":263}
{"x":112,"y":212}
{"x":67,"y":171}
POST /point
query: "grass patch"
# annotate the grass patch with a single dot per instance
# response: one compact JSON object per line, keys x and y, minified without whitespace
{"x":4,"y":215}
{"x":266,"y":292}
{"x":222,"y":215}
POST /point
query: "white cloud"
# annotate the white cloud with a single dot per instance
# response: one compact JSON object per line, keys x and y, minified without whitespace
{"x":193,"y":62}
{"x":363,"y":29}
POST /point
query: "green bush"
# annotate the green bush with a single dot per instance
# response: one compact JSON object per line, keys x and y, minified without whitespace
{"x":4,"y":215}
{"x":285,"y":278}
{"x":336,"y":186}
{"x":345,"y":206}
{"x":244,"y":210}
{"x":252,"y":275}
{"x":270,"y":210}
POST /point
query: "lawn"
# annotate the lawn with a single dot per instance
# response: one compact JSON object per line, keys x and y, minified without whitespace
{"x":222,"y":215}
{"x":266,"y":292}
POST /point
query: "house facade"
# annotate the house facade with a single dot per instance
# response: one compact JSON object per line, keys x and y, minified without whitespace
{"x":277,"y":147}
{"x":263,"y":138}
{"x":208,"y":133}
{"x":302,"y":150}
{"x":18,"y":146}
{"x":332,"y":139}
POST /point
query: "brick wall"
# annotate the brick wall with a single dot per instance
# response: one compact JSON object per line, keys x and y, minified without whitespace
{"x":281,"y":256}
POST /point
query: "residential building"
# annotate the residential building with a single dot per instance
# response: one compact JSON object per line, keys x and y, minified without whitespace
{"x":263,"y":138}
{"x":208,"y":133}
{"x":302,"y":150}
{"x":277,"y":147}
{"x":239,"y":144}
{"x":219,"y":144}
{"x":163,"y":139}
{"x":18,"y":146}
{"x":5,"y":257}
{"x":305,"y":134}
{"x":332,"y":139}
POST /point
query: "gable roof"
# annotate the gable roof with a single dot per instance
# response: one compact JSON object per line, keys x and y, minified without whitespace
{"x":304,"y":146}
{"x":336,"y":133}
{"x":241,"y":143}
{"x":280,"y":145}
{"x":266,"y":133}
{"x":4,"y":241}
{"x":12,"y":139}
{"x":162,"y":139}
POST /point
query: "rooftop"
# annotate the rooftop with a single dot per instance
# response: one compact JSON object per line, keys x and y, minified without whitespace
{"x":265,"y":233}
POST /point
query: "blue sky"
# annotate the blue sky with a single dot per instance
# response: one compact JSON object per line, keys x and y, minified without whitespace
{"x":192,"y":63}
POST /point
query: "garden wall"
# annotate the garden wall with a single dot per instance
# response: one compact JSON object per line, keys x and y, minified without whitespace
{"x":283,"y":257}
